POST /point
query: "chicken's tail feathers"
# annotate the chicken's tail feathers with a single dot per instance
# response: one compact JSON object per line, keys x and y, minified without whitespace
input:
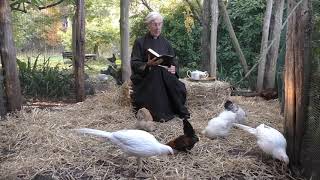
{"x":94,"y":132}
{"x":187,"y":128}
{"x":246,"y":128}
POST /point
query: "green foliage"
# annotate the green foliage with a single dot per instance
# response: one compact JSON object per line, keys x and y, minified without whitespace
{"x":43,"y":81}
{"x":184,"y":36}
{"x":247,"y":19}
{"x":102,"y":27}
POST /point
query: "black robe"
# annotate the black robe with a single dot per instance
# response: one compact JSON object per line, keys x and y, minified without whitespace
{"x":154,"y":87}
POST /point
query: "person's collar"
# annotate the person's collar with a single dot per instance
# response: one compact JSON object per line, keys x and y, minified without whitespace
{"x":152,"y":37}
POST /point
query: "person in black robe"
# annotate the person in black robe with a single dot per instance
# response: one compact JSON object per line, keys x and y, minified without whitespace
{"x":156,"y":87}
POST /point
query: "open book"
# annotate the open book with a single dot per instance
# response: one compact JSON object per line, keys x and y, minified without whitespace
{"x":166,"y":60}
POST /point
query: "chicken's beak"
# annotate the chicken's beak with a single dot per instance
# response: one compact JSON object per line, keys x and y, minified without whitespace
{"x":173,"y":152}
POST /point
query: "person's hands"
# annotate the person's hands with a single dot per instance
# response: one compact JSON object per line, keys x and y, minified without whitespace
{"x":172,"y":69}
{"x":153,"y":61}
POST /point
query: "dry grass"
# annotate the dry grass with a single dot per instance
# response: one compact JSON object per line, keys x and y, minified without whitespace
{"x":39,"y":143}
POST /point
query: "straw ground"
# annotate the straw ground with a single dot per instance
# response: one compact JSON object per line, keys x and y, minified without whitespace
{"x":39,"y":143}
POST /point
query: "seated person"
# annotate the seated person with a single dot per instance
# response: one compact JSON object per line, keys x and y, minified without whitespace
{"x":155,"y":87}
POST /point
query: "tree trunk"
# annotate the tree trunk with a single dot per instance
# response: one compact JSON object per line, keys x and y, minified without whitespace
{"x":296,"y":65}
{"x":205,"y":35}
{"x":96,"y":51}
{"x":264,"y":45}
{"x":3,"y":109}
{"x":270,"y":75}
{"x":8,"y":59}
{"x":124,"y":31}
{"x":213,"y":38}
{"x":234,"y":39}
{"x":79,"y":50}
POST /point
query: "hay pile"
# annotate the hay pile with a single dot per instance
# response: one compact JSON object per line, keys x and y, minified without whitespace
{"x":39,"y":143}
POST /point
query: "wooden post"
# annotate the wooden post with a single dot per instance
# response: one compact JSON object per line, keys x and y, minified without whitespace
{"x":213,"y":38}
{"x":264,"y":45}
{"x":79,"y":49}
{"x":270,"y":75}
{"x":205,"y":35}
{"x":8,"y":59}
{"x":124,"y":31}
{"x":3,"y":109}
{"x":297,"y":60}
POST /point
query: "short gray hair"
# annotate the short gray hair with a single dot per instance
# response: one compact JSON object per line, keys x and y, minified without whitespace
{"x":152,"y":16}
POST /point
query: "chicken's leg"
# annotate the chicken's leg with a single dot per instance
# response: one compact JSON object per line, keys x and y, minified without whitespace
{"x":124,"y":157}
{"x":140,"y":166}
{"x":139,"y":163}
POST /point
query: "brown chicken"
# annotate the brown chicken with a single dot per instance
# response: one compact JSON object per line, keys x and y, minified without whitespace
{"x":269,"y":94}
{"x":186,"y":141}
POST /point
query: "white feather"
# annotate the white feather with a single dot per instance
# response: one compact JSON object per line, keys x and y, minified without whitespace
{"x":220,"y":126}
{"x":241,"y":115}
{"x":133,"y":142}
{"x":270,"y":140}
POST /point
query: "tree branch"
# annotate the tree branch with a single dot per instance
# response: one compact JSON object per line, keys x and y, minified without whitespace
{"x":17,"y":8}
{"x":145,"y":3}
{"x":18,"y":4}
{"x":51,"y":5}
{"x":195,"y":12}
{"x":199,"y":4}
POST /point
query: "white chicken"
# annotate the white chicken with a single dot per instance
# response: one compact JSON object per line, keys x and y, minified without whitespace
{"x":103,"y":77}
{"x":270,"y":140}
{"x":240,"y":114}
{"x":136,"y":143}
{"x":220,"y":126}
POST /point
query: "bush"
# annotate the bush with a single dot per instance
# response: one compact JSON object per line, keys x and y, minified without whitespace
{"x":43,"y":81}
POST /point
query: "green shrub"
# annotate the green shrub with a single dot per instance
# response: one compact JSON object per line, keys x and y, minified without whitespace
{"x":40,"y":80}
